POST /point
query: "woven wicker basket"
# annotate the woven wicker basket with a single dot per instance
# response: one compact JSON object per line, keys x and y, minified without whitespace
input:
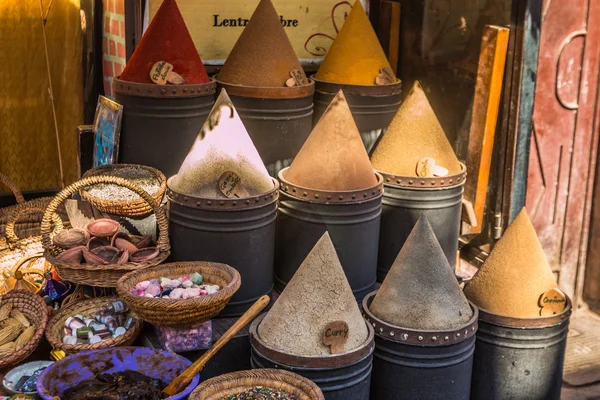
{"x":102,"y":275}
{"x":36,"y":312}
{"x":28,"y":223}
{"x":132,"y":208}
{"x":188,"y":312}
{"x":230,"y":384}
{"x":54,"y":332}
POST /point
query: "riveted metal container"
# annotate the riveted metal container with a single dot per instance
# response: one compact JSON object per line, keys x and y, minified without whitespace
{"x":352,"y":220}
{"x":405,"y":200}
{"x":278,"y":119}
{"x":519,"y":358}
{"x":341,"y":377}
{"x":373,"y":106}
{"x":237,"y":232}
{"x":160,"y":123}
{"x":419,"y":364}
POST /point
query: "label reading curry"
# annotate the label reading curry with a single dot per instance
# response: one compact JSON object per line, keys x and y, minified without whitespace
{"x":335,"y":335}
{"x":230,"y":184}
{"x":552,"y":302}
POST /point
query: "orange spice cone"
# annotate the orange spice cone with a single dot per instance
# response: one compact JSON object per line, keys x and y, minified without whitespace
{"x":414,"y":133}
{"x":222,"y":145}
{"x":263,"y":55}
{"x":166,"y":39}
{"x":420,"y":291}
{"x":356,"y":56}
{"x":515,"y":275}
{"x":318,"y":293}
{"x":333,"y":157}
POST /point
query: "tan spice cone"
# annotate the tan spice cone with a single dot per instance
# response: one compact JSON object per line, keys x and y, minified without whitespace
{"x":317,"y":294}
{"x":334,"y":156}
{"x":413,"y":134}
{"x":420,"y":291}
{"x":356,"y":56}
{"x":515,"y":274}
{"x":263,"y":55}
{"x":222,"y":145}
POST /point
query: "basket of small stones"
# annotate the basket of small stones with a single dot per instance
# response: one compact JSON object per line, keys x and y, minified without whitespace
{"x":114,"y":199}
{"x":179,"y":294}
{"x":93,"y":324}
{"x":101,"y":254}
{"x":23,"y":320}
{"x":267,"y":384}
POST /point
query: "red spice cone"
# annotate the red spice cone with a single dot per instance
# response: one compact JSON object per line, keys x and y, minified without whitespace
{"x":166,"y":39}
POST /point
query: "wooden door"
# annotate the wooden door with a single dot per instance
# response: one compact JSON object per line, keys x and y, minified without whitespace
{"x":564,"y":139}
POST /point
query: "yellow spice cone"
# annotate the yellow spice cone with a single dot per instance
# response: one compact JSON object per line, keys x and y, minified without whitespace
{"x":413,"y":134}
{"x":515,"y":274}
{"x":420,"y":291}
{"x":356,"y":56}
{"x":263,"y":55}
{"x":222,"y":145}
{"x":318,"y":293}
{"x":334,"y":156}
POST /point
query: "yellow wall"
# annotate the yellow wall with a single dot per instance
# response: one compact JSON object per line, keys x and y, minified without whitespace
{"x":28,"y":152}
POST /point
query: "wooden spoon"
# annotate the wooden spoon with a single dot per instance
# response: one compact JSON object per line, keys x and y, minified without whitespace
{"x":186,"y":376}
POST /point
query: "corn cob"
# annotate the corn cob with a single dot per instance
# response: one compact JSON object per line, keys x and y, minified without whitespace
{"x":18,"y":315}
{"x":9,"y":333}
{"x":10,"y":346}
{"x":5,"y":310}
{"x":24,"y":337}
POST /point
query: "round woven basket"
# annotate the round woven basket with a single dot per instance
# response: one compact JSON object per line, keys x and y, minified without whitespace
{"x":94,"y":274}
{"x":127,"y":208}
{"x":34,"y":308}
{"x":236,"y":382}
{"x":167,"y":312}
{"x":54,"y":333}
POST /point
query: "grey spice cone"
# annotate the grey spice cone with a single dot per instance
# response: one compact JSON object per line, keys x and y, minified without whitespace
{"x":421,"y":291}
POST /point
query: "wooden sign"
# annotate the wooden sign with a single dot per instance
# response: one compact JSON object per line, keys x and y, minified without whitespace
{"x":215,"y":25}
{"x":230,"y":184}
{"x":552,"y":302}
{"x":335,"y":335}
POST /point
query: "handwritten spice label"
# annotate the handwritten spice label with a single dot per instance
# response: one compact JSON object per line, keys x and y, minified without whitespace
{"x":552,"y":302}
{"x":298,"y":78}
{"x":427,"y":167}
{"x":385,"y":77}
{"x":162,"y":72}
{"x":230,"y":184}
{"x":335,"y":335}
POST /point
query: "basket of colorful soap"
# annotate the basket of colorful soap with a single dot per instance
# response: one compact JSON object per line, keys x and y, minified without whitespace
{"x":258,"y":384}
{"x":103,"y":254}
{"x":114,"y":199}
{"x":23,"y":319}
{"x":179,"y":294}
{"x":93,"y":324}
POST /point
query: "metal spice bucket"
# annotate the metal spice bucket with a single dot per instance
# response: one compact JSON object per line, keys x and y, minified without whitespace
{"x":341,"y":377}
{"x":278,"y":119}
{"x":236,"y":232}
{"x":160,"y":123}
{"x":405,"y":200}
{"x":352,"y":220}
{"x":373,"y":107}
{"x":519,"y":358}
{"x":415,"y":364}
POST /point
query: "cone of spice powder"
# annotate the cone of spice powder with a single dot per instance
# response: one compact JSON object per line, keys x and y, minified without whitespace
{"x":222,"y":145}
{"x":333,"y":157}
{"x":166,"y":39}
{"x":356,"y":56}
{"x":318,"y":294}
{"x":515,"y":275}
{"x":420,"y":290}
{"x":263,"y":55}
{"x":414,"y":133}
